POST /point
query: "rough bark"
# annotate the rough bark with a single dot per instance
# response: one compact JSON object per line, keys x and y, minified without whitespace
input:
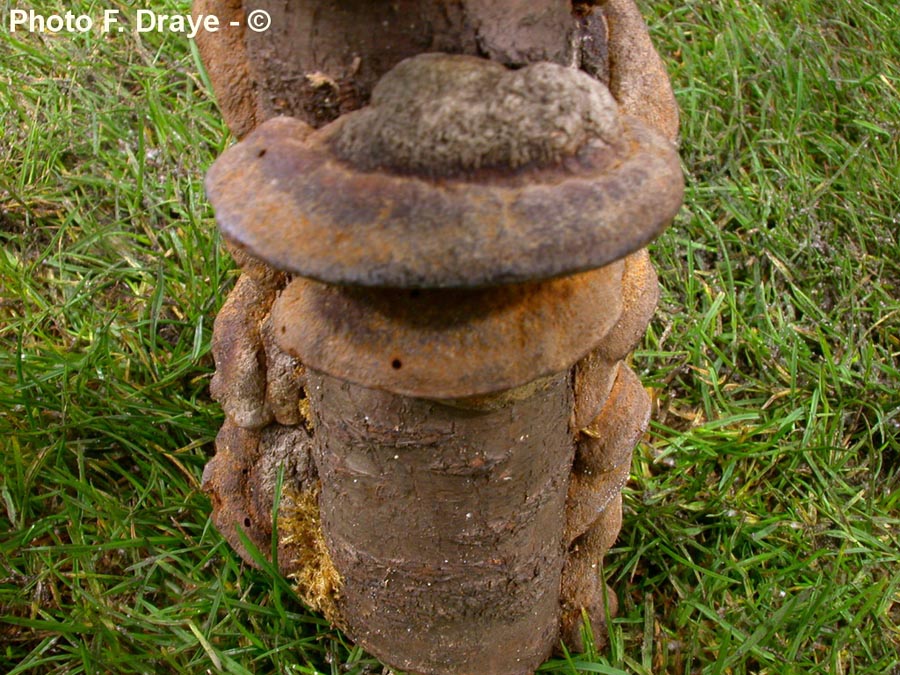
{"x":593,"y":508}
{"x":638,"y":77}
{"x":321,"y":59}
{"x":518,"y":32}
{"x":225,"y":57}
{"x":583,"y":587}
{"x":239,"y":383}
{"x":284,"y":379}
{"x":240,"y":481}
{"x":603,"y":457}
{"x":595,"y":374}
{"x":610,"y":415}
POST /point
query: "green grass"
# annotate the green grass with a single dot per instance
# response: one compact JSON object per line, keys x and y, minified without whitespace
{"x":762,"y":523}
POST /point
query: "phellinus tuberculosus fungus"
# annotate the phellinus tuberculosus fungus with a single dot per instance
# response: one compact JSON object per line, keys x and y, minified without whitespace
{"x":440,"y":211}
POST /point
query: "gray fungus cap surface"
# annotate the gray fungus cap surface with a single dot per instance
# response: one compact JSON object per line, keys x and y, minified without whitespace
{"x":440,"y":115}
{"x":460,"y":174}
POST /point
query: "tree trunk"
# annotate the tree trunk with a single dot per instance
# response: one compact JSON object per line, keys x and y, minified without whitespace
{"x":446,"y":523}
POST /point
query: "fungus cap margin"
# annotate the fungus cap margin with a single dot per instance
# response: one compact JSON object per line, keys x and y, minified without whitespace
{"x":282,"y":195}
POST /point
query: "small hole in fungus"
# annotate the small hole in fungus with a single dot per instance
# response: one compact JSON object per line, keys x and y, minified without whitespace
{"x":247,"y":522}
{"x":284,"y":329}
{"x":261,"y":153}
{"x":396,"y":364}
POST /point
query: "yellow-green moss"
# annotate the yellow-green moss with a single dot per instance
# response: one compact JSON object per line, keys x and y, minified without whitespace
{"x":306,"y":414}
{"x":316,"y":580}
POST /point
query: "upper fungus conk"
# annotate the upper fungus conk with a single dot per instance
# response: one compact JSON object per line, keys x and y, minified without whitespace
{"x":494,"y":176}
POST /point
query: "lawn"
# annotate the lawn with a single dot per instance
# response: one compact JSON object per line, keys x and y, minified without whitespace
{"x":762,"y":521}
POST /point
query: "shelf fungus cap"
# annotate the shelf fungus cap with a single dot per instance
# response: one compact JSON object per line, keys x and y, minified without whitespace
{"x":447,"y":344}
{"x":460,"y":174}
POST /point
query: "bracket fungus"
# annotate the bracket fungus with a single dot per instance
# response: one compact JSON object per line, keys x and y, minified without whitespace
{"x":437,"y":184}
{"x":443,"y":270}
